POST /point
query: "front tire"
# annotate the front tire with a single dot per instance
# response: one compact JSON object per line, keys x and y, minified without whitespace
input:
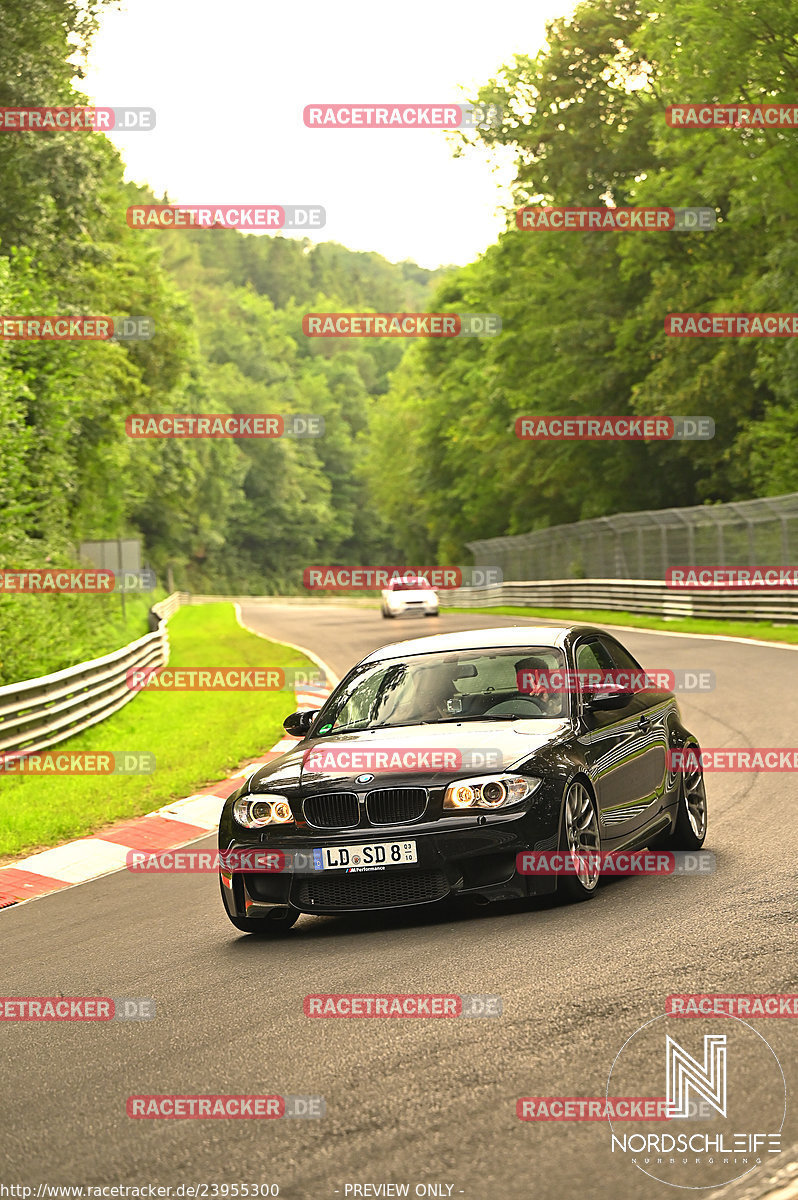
{"x":387,"y":615}
{"x":580,"y":835}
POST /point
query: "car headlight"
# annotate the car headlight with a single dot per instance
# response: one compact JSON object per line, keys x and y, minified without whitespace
{"x":496,"y":791}
{"x":253,"y":812}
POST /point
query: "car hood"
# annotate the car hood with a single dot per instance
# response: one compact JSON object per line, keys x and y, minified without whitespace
{"x":428,"y":754}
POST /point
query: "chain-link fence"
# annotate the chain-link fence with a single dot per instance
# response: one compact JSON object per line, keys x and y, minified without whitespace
{"x":642,"y":545}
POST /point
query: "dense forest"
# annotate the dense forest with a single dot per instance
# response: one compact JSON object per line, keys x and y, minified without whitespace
{"x":419,"y":454}
{"x":583,"y":313}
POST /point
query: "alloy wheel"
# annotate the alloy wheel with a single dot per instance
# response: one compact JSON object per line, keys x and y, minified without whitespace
{"x":582,"y":834}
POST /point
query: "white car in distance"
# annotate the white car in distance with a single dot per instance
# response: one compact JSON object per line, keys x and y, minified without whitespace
{"x":404,"y":596}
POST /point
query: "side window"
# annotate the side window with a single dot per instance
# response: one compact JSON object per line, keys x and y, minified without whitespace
{"x":619,"y":657}
{"x":593,"y":656}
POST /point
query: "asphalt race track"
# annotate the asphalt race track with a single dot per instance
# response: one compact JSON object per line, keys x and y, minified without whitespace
{"x":417,"y":1101}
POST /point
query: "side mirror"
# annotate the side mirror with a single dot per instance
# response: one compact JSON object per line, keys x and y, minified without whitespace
{"x":606,"y":701}
{"x":300,"y":722}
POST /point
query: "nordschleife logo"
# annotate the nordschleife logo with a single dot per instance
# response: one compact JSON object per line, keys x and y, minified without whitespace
{"x":725,"y":1100}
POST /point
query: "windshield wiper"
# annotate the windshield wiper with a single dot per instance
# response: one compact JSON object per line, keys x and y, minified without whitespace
{"x":439,"y":721}
{"x":481,"y":717}
{"x":358,"y":728}
{"x":399,"y":724}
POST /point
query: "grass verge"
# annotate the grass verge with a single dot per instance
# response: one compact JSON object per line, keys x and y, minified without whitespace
{"x":196,"y":737}
{"x":40,"y":634}
{"x":761,"y":630}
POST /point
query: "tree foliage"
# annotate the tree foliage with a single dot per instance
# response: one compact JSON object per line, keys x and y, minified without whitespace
{"x":583,"y":313}
{"x":217,"y":514}
{"x":419,"y":454}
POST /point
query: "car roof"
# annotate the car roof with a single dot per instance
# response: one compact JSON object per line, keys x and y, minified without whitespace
{"x":506,"y":637}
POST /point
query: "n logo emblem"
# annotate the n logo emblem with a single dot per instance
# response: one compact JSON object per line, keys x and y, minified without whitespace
{"x":685,"y":1074}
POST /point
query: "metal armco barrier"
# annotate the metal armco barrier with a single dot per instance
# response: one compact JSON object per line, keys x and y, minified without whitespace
{"x":649,"y":597}
{"x":642,"y":545}
{"x":38,"y":713}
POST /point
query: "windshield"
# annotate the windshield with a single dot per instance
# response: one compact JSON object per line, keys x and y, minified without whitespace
{"x":488,"y":685}
{"x":410,"y":585}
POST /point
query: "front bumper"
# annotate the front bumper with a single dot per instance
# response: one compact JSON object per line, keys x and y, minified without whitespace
{"x":476,"y":861}
{"x":402,"y":610}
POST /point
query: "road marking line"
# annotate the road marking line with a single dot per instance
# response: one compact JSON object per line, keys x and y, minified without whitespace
{"x":72,"y":863}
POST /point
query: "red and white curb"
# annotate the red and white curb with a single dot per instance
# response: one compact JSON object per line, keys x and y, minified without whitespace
{"x":176,"y":824}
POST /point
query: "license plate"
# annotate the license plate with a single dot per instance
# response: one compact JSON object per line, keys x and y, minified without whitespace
{"x":371,"y":854}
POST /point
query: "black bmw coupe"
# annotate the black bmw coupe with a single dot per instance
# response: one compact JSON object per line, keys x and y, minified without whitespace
{"x":437,"y":763}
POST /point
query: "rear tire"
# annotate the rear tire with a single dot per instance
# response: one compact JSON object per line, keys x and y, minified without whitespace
{"x":690,"y":830}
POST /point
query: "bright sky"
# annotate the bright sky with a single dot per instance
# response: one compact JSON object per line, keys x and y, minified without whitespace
{"x":229,"y":82}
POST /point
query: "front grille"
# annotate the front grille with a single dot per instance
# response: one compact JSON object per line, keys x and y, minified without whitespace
{"x":335,"y":810}
{"x":377,"y":889}
{"x":392,"y":806}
